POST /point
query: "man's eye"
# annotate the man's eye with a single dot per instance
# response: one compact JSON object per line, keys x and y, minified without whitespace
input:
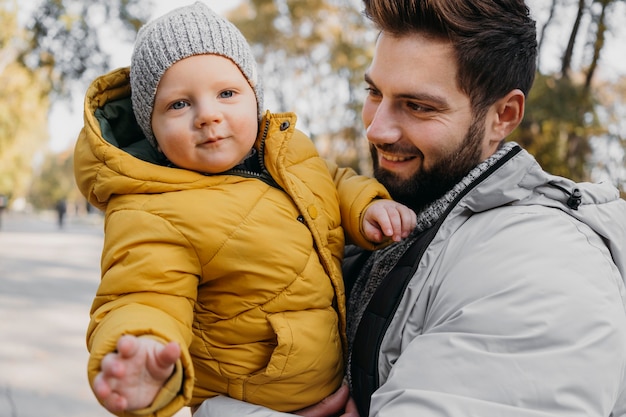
{"x":372,"y":91}
{"x":179,"y":105}
{"x":418,"y":107}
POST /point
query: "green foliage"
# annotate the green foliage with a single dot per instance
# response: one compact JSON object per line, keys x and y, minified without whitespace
{"x":64,"y":37}
{"x":20,"y":100}
{"x":313,"y":55}
{"x":23,"y":108}
{"x":60,"y":46}
{"x":572,"y":119}
{"x":560,"y":119}
{"x":54,"y":181}
{"x":608,"y":161}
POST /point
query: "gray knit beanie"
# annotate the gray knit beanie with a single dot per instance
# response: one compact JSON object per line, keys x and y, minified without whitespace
{"x":181,"y":33}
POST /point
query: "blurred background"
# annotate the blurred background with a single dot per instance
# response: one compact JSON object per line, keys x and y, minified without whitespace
{"x":312,"y":56}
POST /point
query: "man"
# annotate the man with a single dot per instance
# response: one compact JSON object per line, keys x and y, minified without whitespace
{"x":508,"y":299}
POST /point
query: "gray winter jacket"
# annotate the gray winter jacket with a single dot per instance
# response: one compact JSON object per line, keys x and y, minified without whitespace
{"x":517,"y":308}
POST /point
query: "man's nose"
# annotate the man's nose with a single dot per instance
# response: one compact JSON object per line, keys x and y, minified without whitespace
{"x":384,"y":126}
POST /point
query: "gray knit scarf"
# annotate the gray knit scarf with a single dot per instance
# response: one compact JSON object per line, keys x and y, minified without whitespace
{"x":380,"y":263}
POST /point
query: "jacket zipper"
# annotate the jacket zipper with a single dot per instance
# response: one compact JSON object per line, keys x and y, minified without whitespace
{"x":264,"y":175}
{"x":428,"y":240}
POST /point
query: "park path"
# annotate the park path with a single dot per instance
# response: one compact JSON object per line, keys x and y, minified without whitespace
{"x":48,"y":276}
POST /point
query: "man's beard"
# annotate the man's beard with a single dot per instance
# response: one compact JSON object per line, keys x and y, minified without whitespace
{"x":426,"y":186}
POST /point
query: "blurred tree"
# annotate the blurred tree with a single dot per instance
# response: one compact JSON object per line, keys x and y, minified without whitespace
{"x":541,"y":34}
{"x":313,"y":54}
{"x":23,"y":108}
{"x":599,"y":19}
{"x":64,"y":37}
{"x":560,"y":119}
{"x":608,"y":160}
{"x":53,"y":181}
{"x":566,"y":62}
{"x":565,"y":110}
{"x":59,"y":47}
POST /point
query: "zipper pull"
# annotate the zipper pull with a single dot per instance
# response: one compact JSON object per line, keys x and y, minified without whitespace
{"x":575,"y":198}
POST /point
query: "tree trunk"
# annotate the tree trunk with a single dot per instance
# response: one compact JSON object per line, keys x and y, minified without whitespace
{"x":598,"y":44}
{"x":567,"y":56}
{"x":542,"y":32}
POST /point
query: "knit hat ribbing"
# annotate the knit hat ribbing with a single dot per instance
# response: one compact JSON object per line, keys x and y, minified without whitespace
{"x":181,"y":33}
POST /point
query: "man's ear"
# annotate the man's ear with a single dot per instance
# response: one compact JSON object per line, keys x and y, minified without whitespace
{"x":508,"y":114}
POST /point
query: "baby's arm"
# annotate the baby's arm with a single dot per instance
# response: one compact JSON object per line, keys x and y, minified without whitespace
{"x":131,"y":377}
{"x":388,"y":218}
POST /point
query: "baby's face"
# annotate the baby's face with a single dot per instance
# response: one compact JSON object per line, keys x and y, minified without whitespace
{"x":205,"y":114}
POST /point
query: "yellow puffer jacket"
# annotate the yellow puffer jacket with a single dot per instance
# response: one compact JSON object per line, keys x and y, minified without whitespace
{"x":243,"y":275}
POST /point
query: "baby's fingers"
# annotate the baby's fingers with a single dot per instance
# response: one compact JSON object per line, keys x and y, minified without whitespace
{"x":101,"y":388}
{"x":168,"y":355}
{"x":115,"y":403}
{"x":394,"y":220}
{"x":409,"y":220}
{"x":112,"y":367}
{"x":104,"y":392}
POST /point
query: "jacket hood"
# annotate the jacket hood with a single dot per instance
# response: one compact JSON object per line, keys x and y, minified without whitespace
{"x":112,"y":155}
{"x":599,"y":205}
{"x":99,"y":155}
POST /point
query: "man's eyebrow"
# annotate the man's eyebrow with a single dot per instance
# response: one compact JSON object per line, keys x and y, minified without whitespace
{"x":436,"y":100}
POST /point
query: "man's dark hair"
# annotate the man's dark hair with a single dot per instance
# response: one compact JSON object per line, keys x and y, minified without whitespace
{"x":494,"y":40}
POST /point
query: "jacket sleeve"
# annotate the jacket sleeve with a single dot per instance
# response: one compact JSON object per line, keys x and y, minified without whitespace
{"x":356,"y":193}
{"x":519,"y":322}
{"x":148,"y":288}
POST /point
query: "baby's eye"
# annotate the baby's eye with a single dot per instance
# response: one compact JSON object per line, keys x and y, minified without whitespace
{"x":178,"y":105}
{"x":227,"y":94}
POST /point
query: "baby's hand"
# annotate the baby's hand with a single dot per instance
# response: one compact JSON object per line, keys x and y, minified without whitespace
{"x":131,"y":378}
{"x":388,"y":218}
